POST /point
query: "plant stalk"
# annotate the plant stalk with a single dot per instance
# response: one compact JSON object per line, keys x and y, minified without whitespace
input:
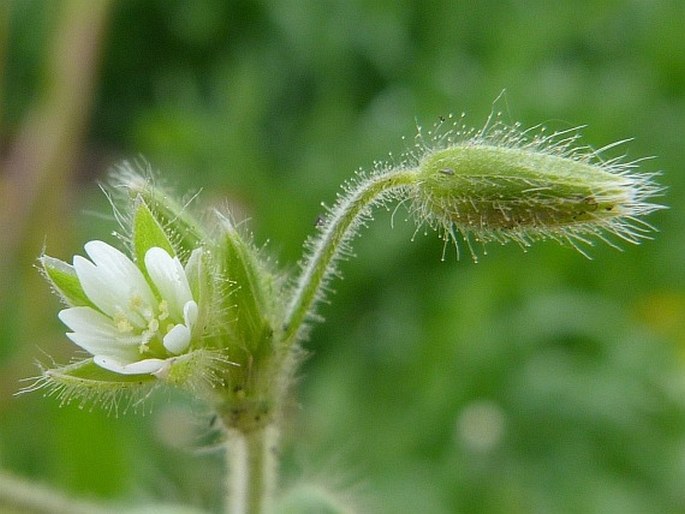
{"x":339,"y":227}
{"x":252,"y":464}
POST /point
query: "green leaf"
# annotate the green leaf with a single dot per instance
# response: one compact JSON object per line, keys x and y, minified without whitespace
{"x":63,"y":278}
{"x":148,"y":233}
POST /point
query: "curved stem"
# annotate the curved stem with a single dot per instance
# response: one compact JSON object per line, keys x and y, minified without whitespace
{"x":339,"y":228}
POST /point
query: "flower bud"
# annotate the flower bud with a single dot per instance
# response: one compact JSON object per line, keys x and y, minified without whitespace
{"x":500,"y":192}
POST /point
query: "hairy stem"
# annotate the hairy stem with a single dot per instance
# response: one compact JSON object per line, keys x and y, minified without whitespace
{"x":252,"y":465}
{"x":339,"y":228}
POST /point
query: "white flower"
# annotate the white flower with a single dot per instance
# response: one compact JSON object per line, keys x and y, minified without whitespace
{"x":139,"y":324}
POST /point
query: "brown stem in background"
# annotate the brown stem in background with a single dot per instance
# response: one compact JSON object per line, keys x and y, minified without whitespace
{"x":41,"y":159}
{"x":4,"y":42}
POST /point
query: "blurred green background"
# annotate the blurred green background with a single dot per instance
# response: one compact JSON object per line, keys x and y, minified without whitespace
{"x":534,"y":381}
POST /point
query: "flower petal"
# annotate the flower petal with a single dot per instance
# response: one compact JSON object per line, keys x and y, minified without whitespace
{"x":190,"y":312}
{"x":143,"y":367}
{"x":169,"y":277}
{"x":88,"y":320}
{"x":96,"y":333}
{"x":177,"y":339}
{"x":193,"y":268}
{"x":100,"y":345}
{"x":113,"y":282}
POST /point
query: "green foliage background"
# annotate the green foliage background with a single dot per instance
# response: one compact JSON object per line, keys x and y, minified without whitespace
{"x":533,"y":381}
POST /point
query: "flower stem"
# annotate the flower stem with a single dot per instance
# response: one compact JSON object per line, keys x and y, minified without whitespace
{"x":251,"y":458}
{"x":339,"y":228}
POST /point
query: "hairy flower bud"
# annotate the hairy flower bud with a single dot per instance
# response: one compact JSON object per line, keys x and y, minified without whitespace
{"x":507,"y":188}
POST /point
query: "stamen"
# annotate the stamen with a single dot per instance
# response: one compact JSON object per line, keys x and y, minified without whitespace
{"x":153,"y":326}
{"x":122,"y":323}
{"x":163,"y":310}
{"x":135,"y":302}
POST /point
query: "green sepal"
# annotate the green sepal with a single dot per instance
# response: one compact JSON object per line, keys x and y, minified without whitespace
{"x":248,"y":302}
{"x":88,"y":384}
{"x":183,"y":230}
{"x":88,"y":374}
{"x":196,"y":370}
{"x":148,"y":233}
{"x":65,"y":282}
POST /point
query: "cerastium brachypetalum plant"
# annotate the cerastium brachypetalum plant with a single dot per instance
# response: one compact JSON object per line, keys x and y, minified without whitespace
{"x":194,"y":305}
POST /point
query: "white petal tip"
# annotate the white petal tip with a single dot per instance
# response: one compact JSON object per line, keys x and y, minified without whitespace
{"x":144,"y":367}
{"x":177,"y":339}
{"x":190,"y":312}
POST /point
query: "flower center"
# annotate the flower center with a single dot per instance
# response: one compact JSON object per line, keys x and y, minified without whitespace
{"x":154,"y":330}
